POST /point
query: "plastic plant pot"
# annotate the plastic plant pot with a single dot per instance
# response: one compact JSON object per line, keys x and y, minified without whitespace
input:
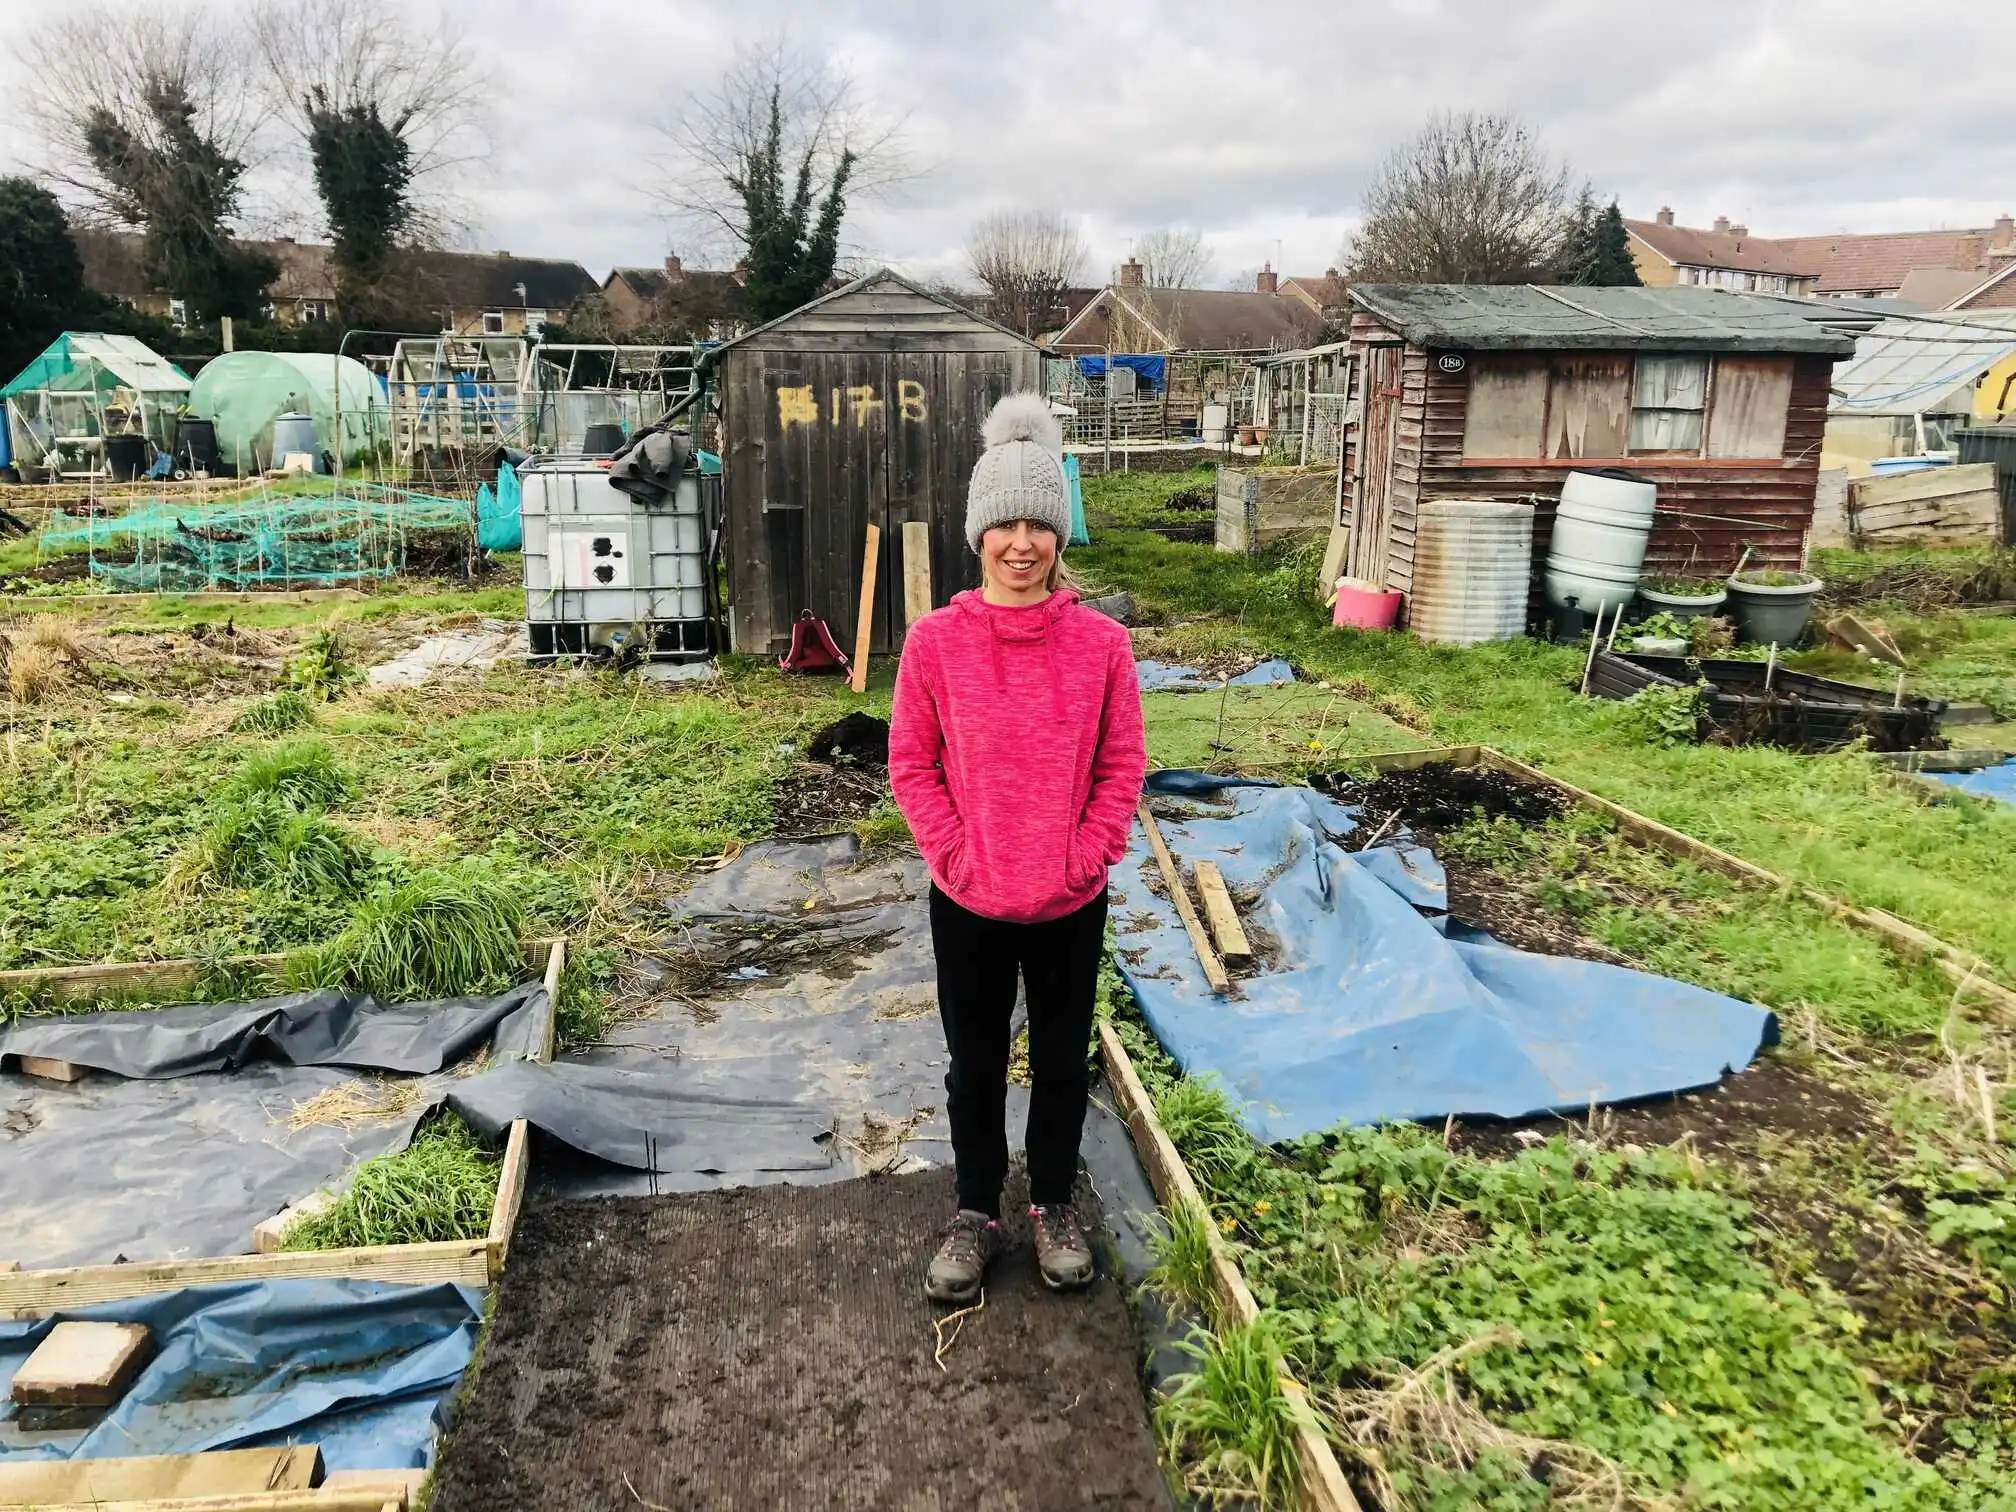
{"x":1773,"y":613}
{"x":1361,"y":606}
{"x":1682,"y":605}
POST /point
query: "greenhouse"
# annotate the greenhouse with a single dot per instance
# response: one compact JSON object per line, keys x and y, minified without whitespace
{"x":84,"y":388}
{"x":243,"y":393}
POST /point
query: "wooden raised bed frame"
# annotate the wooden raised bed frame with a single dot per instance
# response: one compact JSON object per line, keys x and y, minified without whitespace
{"x":469,"y":1262}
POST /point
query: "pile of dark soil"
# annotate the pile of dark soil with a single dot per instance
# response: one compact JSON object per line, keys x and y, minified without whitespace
{"x":1430,"y":799}
{"x":857,"y":737}
{"x":823,"y":800}
{"x":1191,"y":498}
{"x":772,"y":1347}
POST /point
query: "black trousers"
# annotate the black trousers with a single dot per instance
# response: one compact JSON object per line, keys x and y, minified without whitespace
{"x":979,"y":960}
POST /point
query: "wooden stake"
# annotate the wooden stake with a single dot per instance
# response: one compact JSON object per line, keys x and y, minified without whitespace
{"x":864,"y":622}
{"x":1214,"y":971}
{"x":916,"y":571}
{"x":1220,"y":914}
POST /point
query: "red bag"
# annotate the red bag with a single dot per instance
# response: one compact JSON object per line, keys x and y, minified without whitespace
{"x":812,"y":647}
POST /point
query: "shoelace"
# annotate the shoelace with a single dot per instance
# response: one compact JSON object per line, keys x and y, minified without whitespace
{"x":1059,"y":1225}
{"x":966,"y":1238}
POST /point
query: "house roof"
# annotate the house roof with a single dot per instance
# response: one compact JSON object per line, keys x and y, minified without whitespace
{"x":882,"y":279}
{"x":1905,"y":366}
{"x":1880,"y":261}
{"x":1996,"y":292}
{"x":1938,"y":288}
{"x":1326,"y":290}
{"x":1714,"y":249}
{"x":1527,"y":317}
{"x":1209,"y":320}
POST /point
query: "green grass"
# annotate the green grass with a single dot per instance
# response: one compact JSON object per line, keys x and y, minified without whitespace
{"x":1293,"y":728}
{"x":275,"y":714}
{"x":1227,"y":1423}
{"x":1139,"y":498}
{"x":302,"y":774}
{"x":441,"y":932}
{"x":442,"y":1186}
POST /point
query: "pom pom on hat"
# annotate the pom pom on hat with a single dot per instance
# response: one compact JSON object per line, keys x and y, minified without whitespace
{"x":1023,"y":417}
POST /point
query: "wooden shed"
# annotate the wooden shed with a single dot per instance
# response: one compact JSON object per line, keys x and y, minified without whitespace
{"x":861,"y":407}
{"x":1498,"y":392}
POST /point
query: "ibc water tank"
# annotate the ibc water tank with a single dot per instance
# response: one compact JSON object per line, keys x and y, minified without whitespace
{"x":1600,"y":531}
{"x":1473,"y":562}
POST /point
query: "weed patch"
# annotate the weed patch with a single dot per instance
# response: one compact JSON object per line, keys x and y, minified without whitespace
{"x":442,"y":1186}
{"x":441,"y":932}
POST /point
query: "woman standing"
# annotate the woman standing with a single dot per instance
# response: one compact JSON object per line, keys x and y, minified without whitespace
{"x":1016,"y":754}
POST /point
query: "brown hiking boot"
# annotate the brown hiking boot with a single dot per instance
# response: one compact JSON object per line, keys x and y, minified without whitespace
{"x":959,"y":1269}
{"x":1063,"y":1253}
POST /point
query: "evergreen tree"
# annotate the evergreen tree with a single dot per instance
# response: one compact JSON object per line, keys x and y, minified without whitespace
{"x":363,"y":173}
{"x":791,"y":250}
{"x":42,"y":290}
{"x":1597,"y":250}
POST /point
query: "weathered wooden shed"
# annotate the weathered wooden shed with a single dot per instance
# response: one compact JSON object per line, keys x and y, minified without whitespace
{"x":1481,"y":391}
{"x":861,"y":407}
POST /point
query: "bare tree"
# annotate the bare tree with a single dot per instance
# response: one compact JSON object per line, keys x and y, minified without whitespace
{"x":823,"y":121}
{"x":98,"y":67}
{"x":1026,"y":259}
{"x":1471,"y":199}
{"x":1173,"y":257}
{"x":332,"y":65}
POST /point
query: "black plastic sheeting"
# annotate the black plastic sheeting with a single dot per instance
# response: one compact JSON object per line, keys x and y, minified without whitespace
{"x":322,"y":1028}
{"x":176,"y":1156}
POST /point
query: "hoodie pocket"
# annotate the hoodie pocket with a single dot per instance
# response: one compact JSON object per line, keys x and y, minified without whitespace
{"x":1081,"y":869}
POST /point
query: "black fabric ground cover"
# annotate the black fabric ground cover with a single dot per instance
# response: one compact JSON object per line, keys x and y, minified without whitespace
{"x":772,"y":1347}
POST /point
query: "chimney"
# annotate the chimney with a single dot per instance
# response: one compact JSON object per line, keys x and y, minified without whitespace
{"x":1267,"y":282}
{"x":1333,"y":275}
{"x":1721,"y":225}
{"x":500,"y":252}
{"x":1970,"y":251}
{"x":2005,"y":234}
{"x":741,"y":270}
{"x":1665,"y":216}
{"x":1739,"y":230}
{"x":673,"y":270}
{"x":1130,"y":274}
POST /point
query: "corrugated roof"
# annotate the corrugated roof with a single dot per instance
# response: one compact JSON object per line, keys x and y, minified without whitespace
{"x":1716,"y":249}
{"x":1528,"y":317}
{"x":1905,"y":366}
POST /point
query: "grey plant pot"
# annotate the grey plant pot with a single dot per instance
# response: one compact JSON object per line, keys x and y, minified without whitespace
{"x":1683,"y":605}
{"x":1768,"y":615}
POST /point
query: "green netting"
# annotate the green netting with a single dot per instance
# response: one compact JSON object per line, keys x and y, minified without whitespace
{"x":330,"y":536}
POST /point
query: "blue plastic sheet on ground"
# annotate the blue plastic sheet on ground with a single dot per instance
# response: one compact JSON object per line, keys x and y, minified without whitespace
{"x":1365,"y":1010}
{"x":363,"y":1368}
{"x":1163,"y":677}
{"x":498,"y":527}
{"x":1988,"y":782}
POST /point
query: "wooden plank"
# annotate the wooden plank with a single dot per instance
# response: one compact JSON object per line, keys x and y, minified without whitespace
{"x":1927,"y":483}
{"x":364,"y":1499}
{"x":269,"y":1235}
{"x":1219,"y":912}
{"x":34,"y":1294}
{"x":556,"y":967}
{"x":150,"y":1477}
{"x":397,"y":1487}
{"x":510,"y":1193}
{"x":864,"y":624}
{"x":83,"y":1365}
{"x":1323,"y":1487}
{"x":1747,"y":412}
{"x":1214,"y":972}
{"x":48,"y":1069}
{"x":916,"y":570}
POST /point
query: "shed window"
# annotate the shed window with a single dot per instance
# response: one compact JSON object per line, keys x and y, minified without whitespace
{"x":1669,"y":396}
{"x":493,"y":322}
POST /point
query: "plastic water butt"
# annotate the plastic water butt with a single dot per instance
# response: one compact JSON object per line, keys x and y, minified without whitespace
{"x":1598,"y":550}
{"x":294,"y":433}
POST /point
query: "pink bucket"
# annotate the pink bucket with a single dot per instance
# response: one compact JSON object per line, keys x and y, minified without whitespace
{"x":1363,"y":607}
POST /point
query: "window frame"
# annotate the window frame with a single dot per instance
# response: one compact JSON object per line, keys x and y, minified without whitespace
{"x":1705,"y":361}
{"x":490,"y":330}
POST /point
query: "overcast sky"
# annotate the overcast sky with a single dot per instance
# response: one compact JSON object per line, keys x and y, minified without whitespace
{"x":1257,"y":123}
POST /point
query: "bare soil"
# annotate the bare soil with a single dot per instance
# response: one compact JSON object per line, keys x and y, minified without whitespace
{"x":814,"y":799}
{"x":772,"y":1347}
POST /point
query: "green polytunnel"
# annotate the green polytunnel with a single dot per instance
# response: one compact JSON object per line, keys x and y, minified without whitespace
{"x":243,"y":393}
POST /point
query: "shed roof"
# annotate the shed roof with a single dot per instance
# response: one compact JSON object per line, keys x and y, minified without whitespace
{"x":852,"y":301}
{"x":1905,"y":366}
{"x":1528,"y":317}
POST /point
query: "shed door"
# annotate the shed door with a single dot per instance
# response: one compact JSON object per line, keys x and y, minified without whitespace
{"x":846,"y":490}
{"x":1372,"y":489}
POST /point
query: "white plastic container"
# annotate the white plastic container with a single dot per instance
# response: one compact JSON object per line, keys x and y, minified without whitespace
{"x":598,"y":561}
{"x":1598,"y":550}
{"x":1213,"y":422}
{"x":1473,"y":567}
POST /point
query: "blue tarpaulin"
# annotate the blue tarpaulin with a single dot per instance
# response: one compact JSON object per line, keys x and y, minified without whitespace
{"x":1149,"y":368}
{"x":1366,"y":1010}
{"x":1080,"y":536}
{"x":1988,"y":782}
{"x":363,"y":1368}
{"x":1162,"y":677}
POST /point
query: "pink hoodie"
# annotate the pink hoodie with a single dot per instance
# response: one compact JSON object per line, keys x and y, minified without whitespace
{"x":1016,"y":752}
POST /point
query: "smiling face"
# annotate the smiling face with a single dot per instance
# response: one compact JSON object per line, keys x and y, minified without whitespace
{"x":1016,"y":562}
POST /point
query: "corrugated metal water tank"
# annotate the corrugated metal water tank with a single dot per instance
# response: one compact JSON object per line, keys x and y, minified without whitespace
{"x":603,"y":569}
{"x":1473,"y":560}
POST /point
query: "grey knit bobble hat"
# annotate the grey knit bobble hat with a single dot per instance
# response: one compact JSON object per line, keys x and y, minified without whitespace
{"x":1021,"y":474}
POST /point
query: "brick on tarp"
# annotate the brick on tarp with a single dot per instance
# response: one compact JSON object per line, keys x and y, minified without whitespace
{"x":83,"y":1365}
